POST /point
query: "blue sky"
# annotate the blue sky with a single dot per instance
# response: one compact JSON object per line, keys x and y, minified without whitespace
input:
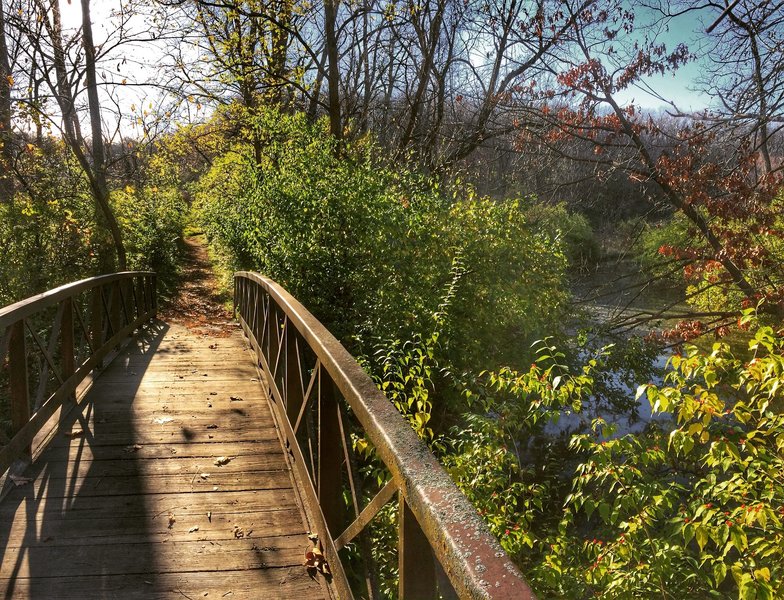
{"x":680,"y":85}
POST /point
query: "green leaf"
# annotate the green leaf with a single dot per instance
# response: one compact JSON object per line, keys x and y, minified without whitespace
{"x":738,"y":537}
{"x":702,"y":536}
{"x":604,"y":511}
{"x":719,"y":573}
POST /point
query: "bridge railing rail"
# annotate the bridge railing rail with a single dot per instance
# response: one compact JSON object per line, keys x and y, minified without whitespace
{"x":323,"y":400}
{"x":51,"y":342}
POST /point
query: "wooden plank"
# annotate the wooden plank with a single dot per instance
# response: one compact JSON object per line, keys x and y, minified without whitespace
{"x":236,"y":418}
{"x":109,"y":435}
{"x":163,"y":557}
{"x":143,"y":467}
{"x":116,"y":485}
{"x":77,"y":529}
{"x":286,"y":582}
{"x":77,"y":450}
{"x":155,"y":505}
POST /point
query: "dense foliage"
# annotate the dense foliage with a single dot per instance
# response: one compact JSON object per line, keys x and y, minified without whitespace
{"x":691,"y":507}
{"x":368,"y":248}
{"x":52,"y":234}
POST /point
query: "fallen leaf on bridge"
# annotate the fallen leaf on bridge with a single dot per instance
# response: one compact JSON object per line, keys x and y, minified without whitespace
{"x":314,"y":558}
{"x":172,"y":520}
{"x":222,"y":460}
{"x":134,"y":448}
{"x":73,"y":433}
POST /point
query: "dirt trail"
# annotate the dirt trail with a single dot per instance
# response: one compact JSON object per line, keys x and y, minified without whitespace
{"x":198,"y":305}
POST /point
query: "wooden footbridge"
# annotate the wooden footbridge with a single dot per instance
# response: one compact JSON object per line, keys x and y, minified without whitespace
{"x":142,"y":460}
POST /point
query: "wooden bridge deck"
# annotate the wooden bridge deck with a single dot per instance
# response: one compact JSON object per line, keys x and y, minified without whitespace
{"x":131,"y":500}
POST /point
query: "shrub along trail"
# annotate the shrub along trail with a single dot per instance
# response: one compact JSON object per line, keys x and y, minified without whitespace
{"x":198,"y":304}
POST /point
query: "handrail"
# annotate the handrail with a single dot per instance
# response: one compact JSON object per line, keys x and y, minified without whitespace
{"x":304,"y":366}
{"x":67,"y":335}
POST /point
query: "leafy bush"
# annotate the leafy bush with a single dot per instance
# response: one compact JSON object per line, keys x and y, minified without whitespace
{"x":152,"y":220}
{"x":579,"y":242}
{"x":692,"y":509}
{"x":48,"y":234}
{"x":368,"y":248}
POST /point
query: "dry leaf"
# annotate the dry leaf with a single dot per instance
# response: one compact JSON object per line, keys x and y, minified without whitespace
{"x":192,"y":529}
{"x":172,"y":520}
{"x":73,"y":433}
{"x":213,"y":426}
{"x":19,"y":480}
{"x":204,"y":475}
{"x":238,"y":532}
{"x":213,"y":393}
{"x":314,"y":559}
{"x":209,"y":516}
{"x":222,"y":460}
{"x":235,"y":398}
{"x":133,"y":448}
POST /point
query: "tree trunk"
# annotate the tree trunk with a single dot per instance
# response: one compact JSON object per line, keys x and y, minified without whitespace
{"x":99,"y":184}
{"x":6,"y":135}
{"x":333,"y":75}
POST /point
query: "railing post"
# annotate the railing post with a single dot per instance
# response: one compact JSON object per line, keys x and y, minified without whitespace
{"x":115,"y":307}
{"x":67,"y":344}
{"x":96,"y":317}
{"x":17,"y":367}
{"x":293,"y":388}
{"x":330,"y":452}
{"x":416,"y":568}
{"x":154,"y":292}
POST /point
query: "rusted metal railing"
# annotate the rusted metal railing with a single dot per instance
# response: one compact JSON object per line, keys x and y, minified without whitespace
{"x":322,"y":398}
{"x":51,"y":342}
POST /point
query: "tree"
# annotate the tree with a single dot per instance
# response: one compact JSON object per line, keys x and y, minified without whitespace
{"x":745,"y":73}
{"x":6,"y":132}
{"x":607,"y":51}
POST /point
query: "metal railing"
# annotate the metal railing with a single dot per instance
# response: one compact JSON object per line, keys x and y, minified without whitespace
{"x":322,"y":397}
{"x":51,"y":342}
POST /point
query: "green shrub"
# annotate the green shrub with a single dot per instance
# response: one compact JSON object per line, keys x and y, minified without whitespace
{"x":152,"y":220}
{"x":369,"y":248}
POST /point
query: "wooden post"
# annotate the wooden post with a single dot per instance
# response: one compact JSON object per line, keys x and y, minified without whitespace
{"x":115,"y":308}
{"x":67,"y":344}
{"x":154,"y":292}
{"x":96,"y":318}
{"x":293,"y":394}
{"x":330,"y":452}
{"x":17,"y":367}
{"x":415,"y":559}
{"x":144,"y":306}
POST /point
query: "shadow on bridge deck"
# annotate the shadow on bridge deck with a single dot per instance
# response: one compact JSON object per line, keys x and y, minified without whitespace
{"x":167,"y":481}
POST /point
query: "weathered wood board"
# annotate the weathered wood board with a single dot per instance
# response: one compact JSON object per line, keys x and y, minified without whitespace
{"x":168,"y":481}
